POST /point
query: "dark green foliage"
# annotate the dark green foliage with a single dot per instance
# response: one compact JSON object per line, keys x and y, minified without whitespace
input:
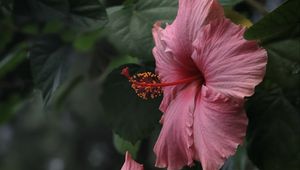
{"x":83,"y":15}
{"x":229,"y":3}
{"x":62,"y":23}
{"x":122,"y":146}
{"x":109,"y":3}
{"x":6,"y":32}
{"x":273,"y":132}
{"x":280,"y":35}
{"x":284,"y":68}
{"x":8,"y":108}
{"x":130,"y":26}
{"x":12,"y":60}
{"x":131,"y":117}
{"x":282,"y":20}
{"x":50,"y":60}
{"x":274,"y":111}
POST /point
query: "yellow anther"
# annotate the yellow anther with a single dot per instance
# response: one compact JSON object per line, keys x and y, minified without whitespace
{"x":146,"y":92}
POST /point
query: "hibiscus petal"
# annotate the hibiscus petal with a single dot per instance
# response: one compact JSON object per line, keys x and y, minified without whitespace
{"x":228,"y":62}
{"x":219,"y":127}
{"x":168,"y":69}
{"x":191,"y":16}
{"x":174,"y":146}
{"x":173,"y":46}
{"x":165,"y":64}
{"x":130,"y":164}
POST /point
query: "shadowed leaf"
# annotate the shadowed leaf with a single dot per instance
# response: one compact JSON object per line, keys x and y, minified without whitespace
{"x":273,"y":132}
{"x":283,"y":19}
{"x":131,"y":117}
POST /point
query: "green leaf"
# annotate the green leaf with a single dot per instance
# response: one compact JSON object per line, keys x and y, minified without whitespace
{"x":279,"y":33}
{"x":122,"y":146}
{"x":88,"y":14}
{"x":130,"y":26}
{"x":50,"y":60}
{"x":54,"y":62}
{"x":13,"y":59}
{"x":82,"y":15}
{"x":229,"y":3}
{"x":6,"y":33}
{"x":117,"y":62}
{"x":84,"y":42}
{"x":288,"y":48}
{"x":283,"y":19}
{"x":131,"y":117}
{"x":30,"y":29}
{"x":53,"y":26}
{"x":239,"y":161}
{"x":109,"y":3}
{"x":273,"y":131}
{"x":120,"y":61}
{"x":8,"y":108}
{"x":284,"y":63}
{"x":65,"y":89}
{"x":6,"y":7}
{"x":283,"y":67}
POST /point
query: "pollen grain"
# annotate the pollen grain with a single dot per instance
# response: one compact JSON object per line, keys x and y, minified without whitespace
{"x":143,"y":91}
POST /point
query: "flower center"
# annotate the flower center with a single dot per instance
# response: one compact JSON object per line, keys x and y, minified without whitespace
{"x":148,"y":85}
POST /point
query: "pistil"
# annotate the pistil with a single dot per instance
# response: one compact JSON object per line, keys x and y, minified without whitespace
{"x":148,"y":85}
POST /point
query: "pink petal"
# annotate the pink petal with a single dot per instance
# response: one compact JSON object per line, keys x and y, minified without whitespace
{"x":174,"y":146}
{"x":228,"y":62}
{"x":206,"y":126}
{"x":219,"y":127}
{"x":173,"y":46}
{"x":191,"y":17}
{"x":130,"y":164}
{"x":169,"y":69}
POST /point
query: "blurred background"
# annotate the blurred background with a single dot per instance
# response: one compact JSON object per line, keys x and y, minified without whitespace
{"x":54,"y":58}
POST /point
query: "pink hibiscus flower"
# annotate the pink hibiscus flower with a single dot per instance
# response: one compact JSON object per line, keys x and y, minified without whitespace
{"x":130,"y":164}
{"x":204,"y":119}
{"x":206,"y":69}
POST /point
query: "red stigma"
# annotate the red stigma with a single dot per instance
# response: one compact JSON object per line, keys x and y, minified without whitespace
{"x":125,"y":72}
